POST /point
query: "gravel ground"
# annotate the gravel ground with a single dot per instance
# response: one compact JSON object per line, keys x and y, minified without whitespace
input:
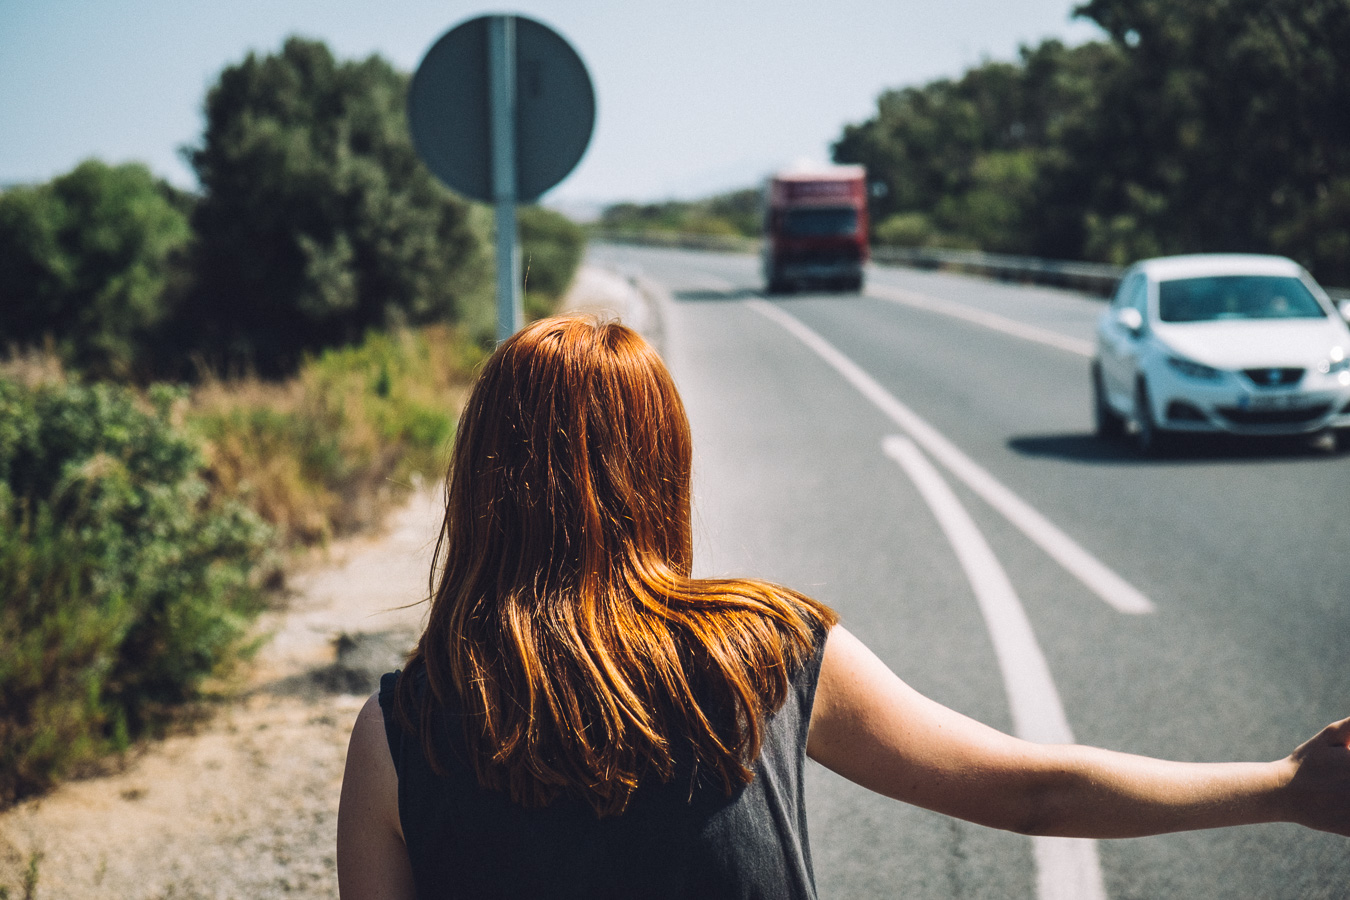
{"x":244,"y":804}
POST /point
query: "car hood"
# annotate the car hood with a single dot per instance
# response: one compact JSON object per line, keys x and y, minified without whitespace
{"x":1255,"y":343}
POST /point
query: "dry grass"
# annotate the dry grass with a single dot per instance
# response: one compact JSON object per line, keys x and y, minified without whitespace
{"x":32,"y":366}
{"x":325,"y":453}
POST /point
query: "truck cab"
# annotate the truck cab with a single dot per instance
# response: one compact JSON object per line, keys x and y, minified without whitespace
{"x":815,"y":229}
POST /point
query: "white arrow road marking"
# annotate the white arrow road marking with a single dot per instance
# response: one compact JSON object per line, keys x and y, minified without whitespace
{"x":1105,"y":583}
{"x":984,"y":318}
{"x":1066,"y":868}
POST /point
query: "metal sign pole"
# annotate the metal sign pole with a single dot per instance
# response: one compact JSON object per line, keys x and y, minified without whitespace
{"x":502,"y":106}
{"x":490,"y":142}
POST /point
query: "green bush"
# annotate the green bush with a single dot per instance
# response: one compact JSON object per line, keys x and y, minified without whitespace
{"x":321,"y":454}
{"x":550,"y":247}
{"x":904,"y":229}
{"x":733,"y":213}
{"x":123,"y":586}
{"x":88,"y":260}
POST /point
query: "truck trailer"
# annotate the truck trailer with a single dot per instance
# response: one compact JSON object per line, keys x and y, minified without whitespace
{"x":815,"y":229}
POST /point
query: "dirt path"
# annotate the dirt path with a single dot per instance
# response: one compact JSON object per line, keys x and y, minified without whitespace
{"x":245,"y":806}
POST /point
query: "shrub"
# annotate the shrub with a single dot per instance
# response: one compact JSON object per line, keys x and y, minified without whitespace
{"x":132,"y":545}
{"x":904,"y":229}
{"x":123,"y":585}
{"x":732,"y":213}
{"x":551,"y":246}
{"x":87,"y":261}
{"x":323,"y":453}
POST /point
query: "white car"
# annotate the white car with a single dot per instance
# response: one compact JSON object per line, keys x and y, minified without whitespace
{"x":1234,"y":343}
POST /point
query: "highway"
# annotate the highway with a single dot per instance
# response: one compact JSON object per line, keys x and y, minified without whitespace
{"x":920,"y":457}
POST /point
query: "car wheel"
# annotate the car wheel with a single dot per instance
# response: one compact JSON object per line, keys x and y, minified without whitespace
{"x":1150,"y":439}
{"x":1109,"y":423}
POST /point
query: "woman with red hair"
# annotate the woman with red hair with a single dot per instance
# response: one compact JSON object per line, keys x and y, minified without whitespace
{"x":583,"y":718}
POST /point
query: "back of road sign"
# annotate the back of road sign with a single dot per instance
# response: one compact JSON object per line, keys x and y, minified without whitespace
{"x":449,"y":115}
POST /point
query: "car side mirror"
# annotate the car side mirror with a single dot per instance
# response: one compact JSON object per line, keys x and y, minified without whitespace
{"x":1130,"y":319}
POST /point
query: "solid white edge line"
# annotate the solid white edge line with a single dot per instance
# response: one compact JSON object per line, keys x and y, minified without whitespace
{"x":1037,"y":713}
{"x":1066,"y":868}
{"x":984,"y":318}
{"x":1102,"y":581}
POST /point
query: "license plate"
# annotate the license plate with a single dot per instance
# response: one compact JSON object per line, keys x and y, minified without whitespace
{"x":1266,"y":402}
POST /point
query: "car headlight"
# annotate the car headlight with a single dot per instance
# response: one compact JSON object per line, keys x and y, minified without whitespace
{"x":1192,"y":369}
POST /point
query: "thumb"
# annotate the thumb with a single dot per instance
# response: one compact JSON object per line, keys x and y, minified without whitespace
{"x":1337,"y":733}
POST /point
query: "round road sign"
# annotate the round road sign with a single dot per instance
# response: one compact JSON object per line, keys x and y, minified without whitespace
{"x":449,"y":115}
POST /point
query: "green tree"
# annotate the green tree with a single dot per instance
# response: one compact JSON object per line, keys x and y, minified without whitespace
{"x":86,"y":261}
{"x":964,"y":161}
{"x":317,"y":222}
{"x":1226,"y":129}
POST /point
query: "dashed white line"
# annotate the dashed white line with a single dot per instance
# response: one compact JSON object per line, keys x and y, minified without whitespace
{"x":1102,"y":581}
{"x":984,"y":318}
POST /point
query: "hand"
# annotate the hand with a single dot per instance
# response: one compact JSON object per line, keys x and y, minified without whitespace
{"x":1319,"y":791}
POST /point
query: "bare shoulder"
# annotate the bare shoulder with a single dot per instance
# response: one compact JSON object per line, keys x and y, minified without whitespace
{"x":370,"y":777}
{"x":369,"y":727}
{"x":371,"y":855}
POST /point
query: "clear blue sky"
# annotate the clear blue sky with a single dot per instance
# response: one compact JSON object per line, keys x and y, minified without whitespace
{"x":694,"y":96}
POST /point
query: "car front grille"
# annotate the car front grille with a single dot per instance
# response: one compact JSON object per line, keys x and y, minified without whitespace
{"x":1273,"y":416}
{"x":1277,"y":377}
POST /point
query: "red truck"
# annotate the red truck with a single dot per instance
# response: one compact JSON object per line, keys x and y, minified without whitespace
{"x":815,"y":229}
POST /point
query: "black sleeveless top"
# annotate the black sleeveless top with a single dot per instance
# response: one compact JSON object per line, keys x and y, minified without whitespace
{"x":465,"y":841}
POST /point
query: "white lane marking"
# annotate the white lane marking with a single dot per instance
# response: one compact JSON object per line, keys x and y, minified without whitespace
{"x":1105,"y":583}
{"x":1066,"y":869}
{"x":986,"y":319}
{"x":1037,"y":713}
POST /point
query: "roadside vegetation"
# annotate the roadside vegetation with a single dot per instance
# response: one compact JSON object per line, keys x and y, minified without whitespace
{"x":733,"y":214}
{"x":1195,"y":127}
{"x":195,"y":386}
{"x":1210,"y":125}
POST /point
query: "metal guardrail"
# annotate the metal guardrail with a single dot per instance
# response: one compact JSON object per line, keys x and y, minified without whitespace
{"x":1093,"y":278}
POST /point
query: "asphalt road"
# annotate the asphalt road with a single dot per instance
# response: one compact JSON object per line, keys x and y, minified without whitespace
{"x":1242,"y":550}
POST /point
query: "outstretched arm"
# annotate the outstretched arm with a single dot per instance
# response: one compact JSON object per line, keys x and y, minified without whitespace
{"x":875,"y":730}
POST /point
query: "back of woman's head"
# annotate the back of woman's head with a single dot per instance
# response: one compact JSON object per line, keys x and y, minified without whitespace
{"x":573,"y":456}
{"x":564,"y":623}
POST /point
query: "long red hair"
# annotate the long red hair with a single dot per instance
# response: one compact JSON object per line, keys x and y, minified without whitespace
{"x":564,"y":621}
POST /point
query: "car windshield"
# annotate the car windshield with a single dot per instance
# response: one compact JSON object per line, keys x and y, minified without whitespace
{"x":1236,"y":297}
{"x":823,"y":222}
